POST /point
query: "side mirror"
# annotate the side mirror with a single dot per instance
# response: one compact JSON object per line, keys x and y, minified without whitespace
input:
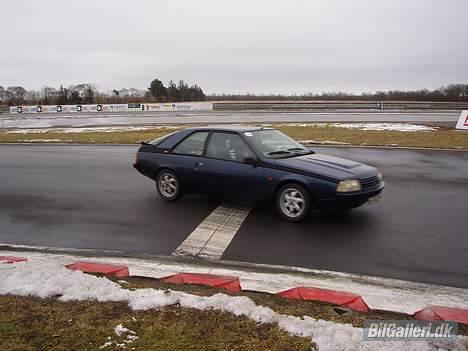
{"x":251,"y":161}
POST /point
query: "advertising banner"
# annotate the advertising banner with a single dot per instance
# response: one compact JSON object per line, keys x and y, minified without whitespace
{"x":68,"y":108}
{"x":178,"y":106}
{"x":114,"y":107}
{"x":174,"y":106}
{"x":26,"y":109}
{"x":135,"y":107}
{"x":463,"y":121}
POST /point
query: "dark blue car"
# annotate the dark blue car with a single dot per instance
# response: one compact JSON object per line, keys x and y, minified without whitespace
{"x":255,"y":164}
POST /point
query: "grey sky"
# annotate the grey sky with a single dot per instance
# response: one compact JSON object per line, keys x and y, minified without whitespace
{"x":270,"y":46}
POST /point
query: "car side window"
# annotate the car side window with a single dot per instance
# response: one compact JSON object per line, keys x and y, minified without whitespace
{"x":192,"y":145}
{"x":228,"y":146}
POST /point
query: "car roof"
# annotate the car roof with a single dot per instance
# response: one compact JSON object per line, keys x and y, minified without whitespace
{"x":229,"y":128}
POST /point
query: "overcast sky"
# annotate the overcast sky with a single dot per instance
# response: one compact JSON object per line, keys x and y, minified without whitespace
{"x":236,"y":46}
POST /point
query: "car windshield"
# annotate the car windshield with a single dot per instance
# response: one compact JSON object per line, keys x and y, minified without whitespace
{"x":274,"y":144}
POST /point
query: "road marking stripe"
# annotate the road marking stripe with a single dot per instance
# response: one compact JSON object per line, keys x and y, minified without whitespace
{"x":212,"y":236}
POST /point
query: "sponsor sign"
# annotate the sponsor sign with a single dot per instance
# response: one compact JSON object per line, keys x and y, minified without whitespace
{"x":463,"y":121}
{"x":135,"y":107}
{"x":114,"y":107}
{"x":49,"y":108}
{"x":178,"y":106}
{"x":26,"y":109}
{"x":174,"y":106}
{"x":69,"y":108}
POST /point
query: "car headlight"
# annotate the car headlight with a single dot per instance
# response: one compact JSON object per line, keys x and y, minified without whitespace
{"x":348,"y":185}
{"x":380,"y":176}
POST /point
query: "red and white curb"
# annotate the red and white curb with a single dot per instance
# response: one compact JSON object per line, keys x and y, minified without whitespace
{"x":359,"y":293}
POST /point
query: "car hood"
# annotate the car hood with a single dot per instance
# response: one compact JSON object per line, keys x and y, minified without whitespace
{"x":328,"y":166}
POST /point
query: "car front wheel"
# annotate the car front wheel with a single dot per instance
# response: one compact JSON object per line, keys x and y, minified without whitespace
{"x":168,"y":185}
{"x":293,"y":202}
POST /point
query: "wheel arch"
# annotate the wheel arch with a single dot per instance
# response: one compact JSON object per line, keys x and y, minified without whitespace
{"x":300,"y":182}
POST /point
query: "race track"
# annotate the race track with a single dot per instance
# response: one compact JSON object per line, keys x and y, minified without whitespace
{"x":77,"y":196}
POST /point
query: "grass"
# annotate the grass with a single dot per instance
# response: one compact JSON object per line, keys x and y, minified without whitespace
{"x":320,"y":133}
{"x":28,"y":323}
{"x":442,"y":138}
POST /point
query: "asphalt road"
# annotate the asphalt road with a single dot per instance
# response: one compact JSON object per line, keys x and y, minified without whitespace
{"x":78,"y":196}
{"x":153,"y":118}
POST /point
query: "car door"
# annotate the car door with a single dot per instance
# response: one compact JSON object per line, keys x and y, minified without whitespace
{"x":225,"y":172}
{"x":186,"y":158}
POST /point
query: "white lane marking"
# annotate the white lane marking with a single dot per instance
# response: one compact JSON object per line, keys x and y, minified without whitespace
{"x":211,"y":238}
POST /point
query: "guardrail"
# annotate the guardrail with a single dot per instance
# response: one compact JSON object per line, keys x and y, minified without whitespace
{"x":341,"y":105}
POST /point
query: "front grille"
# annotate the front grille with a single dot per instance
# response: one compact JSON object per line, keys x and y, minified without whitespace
{"x":370,"y":183}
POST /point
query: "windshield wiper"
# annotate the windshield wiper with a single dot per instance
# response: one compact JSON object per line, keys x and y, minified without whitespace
{"x":302,"y":150}
{"x":279,"y":152}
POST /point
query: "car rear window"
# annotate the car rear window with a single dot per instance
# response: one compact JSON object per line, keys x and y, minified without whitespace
{"x":158,"y":141}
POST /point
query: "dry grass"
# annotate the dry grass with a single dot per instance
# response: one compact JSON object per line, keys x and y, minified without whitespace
{"x":28,"y":323}
{"x":443,"y":138}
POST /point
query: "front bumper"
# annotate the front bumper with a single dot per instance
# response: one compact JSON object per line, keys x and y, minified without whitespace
{"x":351,"y":199}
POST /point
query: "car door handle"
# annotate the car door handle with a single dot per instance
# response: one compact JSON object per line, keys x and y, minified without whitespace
{"x":198,"y":164}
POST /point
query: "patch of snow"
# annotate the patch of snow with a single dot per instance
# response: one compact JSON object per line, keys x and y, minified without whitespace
{"x":323,"y":142}
{"x":106,"y":344}
{"x":315,"y":125}
{"x":46,"y":279}
{"x":400,"y":127}
{"x":88,"y":129}
{"x":121,"y":330}
{"x":40,"y":140}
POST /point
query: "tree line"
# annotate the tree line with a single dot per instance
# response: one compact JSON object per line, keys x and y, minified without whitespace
{"x":87,"y":93}
{"x":449,"y":93}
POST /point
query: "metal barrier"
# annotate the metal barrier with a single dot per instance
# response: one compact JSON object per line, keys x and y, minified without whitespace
{"x":341,"y":105}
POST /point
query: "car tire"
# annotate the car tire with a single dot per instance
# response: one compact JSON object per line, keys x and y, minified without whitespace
{"x":293,"y":202}
{"x":168,"y":185}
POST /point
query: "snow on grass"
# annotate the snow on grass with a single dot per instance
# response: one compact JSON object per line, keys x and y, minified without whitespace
{"x":323,"y":142}
{"x":400,"y":127}
{"x":46,"y":279}
{"x":121,"y":330}
{"x":106,"y":344}
{"x":40,"y":140}
{"x":87,"y":129}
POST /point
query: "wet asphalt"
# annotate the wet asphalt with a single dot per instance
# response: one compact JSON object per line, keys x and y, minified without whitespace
{"x":83,"y":196}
